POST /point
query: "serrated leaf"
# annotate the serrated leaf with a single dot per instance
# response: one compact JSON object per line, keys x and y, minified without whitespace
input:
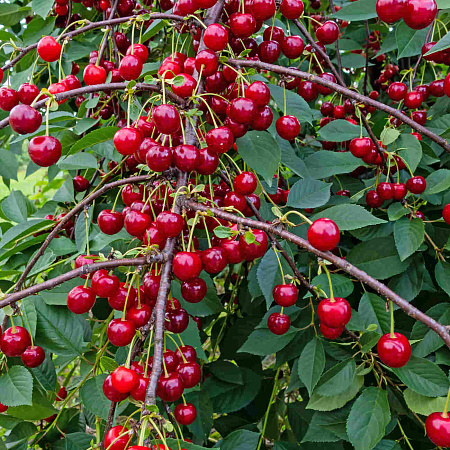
{"x":342,"y":286}
{"x":14,"y":207}
{"x":422,"y":404}
{"x":78,"y":161}
{"x":93,"y":138}
{"x":368,"y":419}
{"x":437,"y":181}
{"x":240,"y":439}
{"x":202,"y":425}
{"x":8,"y":161}
{"x":309,"y":193}
{"x":78,"y":441}
{"x":361,"y":10}
{"x":40,"y":408}
{"x":442,"y":274}
{"x":108,"y":363}
{"x":389,"y":135}
{"x":340,"y":130}
{"x":411,"y":150}
{"x":409,"y":41}
{"x":91,"y":394}
{"x":323,"y":164}
{"x":373,"y":311}
{"x":337,"y":380}
{"x":408,"y":235}
{"x":227,"y":371}
{"x":66,"y":192}
{"x":263,"y":342}
{"x":16,"y":387}
{"x":311,"y":364}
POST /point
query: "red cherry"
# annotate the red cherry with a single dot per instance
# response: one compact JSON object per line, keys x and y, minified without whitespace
{"x":238,"y":129}
{"x":292,"y":9}
{"x":215,"y":37}
{"x":233,"y":251}
{"x":48,"y":49}
{"x":323,"y":234}
{"x":279,"y":323}
{"x":117,"y":438}
{"x":360,"y":147}
{"x":400,"y":191}
{"x":373,"y":200}
{"x":331,"y":333}
{"x":136,"y":223}
{"x":259,"y":93}
{"x":253,"y":251}
{"x":8,"y":99}
{"x":139,"y":315}
{"x":110,"y":222}
{"x":124,"y":295}
{"x":390,"y":11}
{"x":292,"y":47}
{"x":397,"y":91}
{"x":385,"y":190}
{"x":151,"y":285}
{"x":413,"y":99}
{"x":159,"y":157}
{"x":285,"y":294}
{"x":416,"y":185}
{"x":214,"y":259}
{"x":120,"y":332}
{"x":24,"y":119}
{"x":242,"y":25}
{"x":208,"y":161}
{"x":139,"y":392}
{"x":328,"y":77}
{"x":262,"y":119}
{"x":80,"y":183}
{"x":242,"y":110}
{"x":206,"y":63}
{"x":334,"y":314}
{"x":235,"y":200}
{"x":288,"y":127}
{"x":138,"y":50}
{"x":419,"y":13}
{"x":177,"y":320}
{"x":394,"y":351}
{"x":103,"y":284}
{"x":153,"y":236}
{"x":190,"y":373}
{"x":130,"y":67}
{"x":446,"y":86}
{"x":171,"y":360}
{"x":14,"y":341}
{"x":187,"y":265}
{"x":166,"y":119}
{"x":169,"y":223}
{"x":27,"y":93}
{"x":124,"y":379}
{"x":269,"y":51}
{"x":446,"y":213}
{"x":263,"y":9}
{"x":420,"y":117}
{"x":127,"y":140}
{"x":62,"y":394}
{"x":93,"y":74}
{"x":273,"y":33}
{"x":219,"y":139}
{"x":170,"y":387}
{"x":245,"y":183}
{"x":194,"y":291}
{"x":186,"y":88}
{"x":33,"y":356}
{"x":307,"y":90}
{"x":188,"y":352}
{"x":327,"y":33}
{"x":80,"y":299}
{"x":71,"y":82}
{"x":185,"y":414}
{"x":186,"y":157}
{"x":437,"y":427}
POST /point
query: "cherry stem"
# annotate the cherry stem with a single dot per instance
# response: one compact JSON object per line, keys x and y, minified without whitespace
{"x":178,"y":348}
{"x":191,"y":234}
{"x":207,"y":232}
{"x":148,"y":352}
{"x":12,"y":325}
{"x":284,"y":99}
{"x":444,"y":413}
{"x":128,"y":295}
{"x":233,"y":161}
{"x":279,"y":264}
{"x":302,"y":216}
{"x":329,"y":281}
{"x":130,"y":351}
{"x":138,"y":291}
{"x":117,"y":198}
{"x":143,"y":428}
{"x":391,"y":309}
{"x":87,"y":230}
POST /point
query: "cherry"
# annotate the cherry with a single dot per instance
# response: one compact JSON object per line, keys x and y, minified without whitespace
{"x":24,"y":119}
{"x":193,"y":291}
{"x":159,"y":157}
{"x":259,"y":93}
{"x":80,"y":299}
{"x":446,"y":213}
{"x":169,"y":223}
{"x":413,"y":99}
{"x":166,"y":119}
{"x":331,"y":333}
{"x":242,"y":110}
{"x":288,"y":127}
{"x":254,"y":250}
{"x":104,"y":284}
{"x":328,"y":77}
{"x":136,"y":223}
{"x":185,"y":413}
{"x":245,"y":183}
{"x":188,"y":352}
{"x":71,"y":82}
{"x":327,"y":33}
{"x":27,"y":93}
{"x":437,"y":427}
{"x":208,"y":161}
{"x":235,"y":200}
{"x":170,"y":388}
{"x":263,"y":9}
{"x":187,"y":265}
{"x":373,"y":200}
{"x":385,"y":190}
{"x":360,"y":147}
{"x":171,"y":360}
{"x":285,"y":294}
{"x":323,"y":234}
{"x":419,"y":14}
{"x":3,"y":408}
{"x":334,"y":314}
{"x":139,"y":392}
{"x":219,"y":139}
{"x":120,"y":332}
{"x":420,"y":117}
{"x":292,"y":47}
{"x":139,"y":315}
{"x":273,"y":33}
{"x":80,"y":183}
{"x":307,"y":90}
{"x":397,"y":91}
{"x":33,"y":356}
{"x":262,"y":119}
{"x":185,"y":88}
{"x":177,"y":320}
{"x":416,"y":185}
{"x":279,"y":323}
{"x":44,"y":150}
{"x":214,"y":259}
{"x":113,"y":434}
{"x":48,"y":49}
{"x":215,"y":37}
{"x":233,"y":251}
{"x":400,"y":191}
{"x":124,"y":295}
{"x":110,"y":392}
{"x":242,"y":25}
{"x":110,"y":222}
{"x":124,"y":380}
{"x":206,"y":63}
{"x":93,"y":74}
{"x":238,"y":129}
{"x":130,"y":67}
{"x":153,"y":236}
{"x":446,"y":87}
{"x":292,"y":9}
{"x":8,"y":99}
{"x":390,"y":11}
{"x":190,"y":373}
{"x":186,"y":157}
{"x":151,"y":285}
{"x":14,"y":341}
{"x":130,"y":194}
{"x":127,"y":140}
{"x":394,"y":351}
{"x":138,"y":50}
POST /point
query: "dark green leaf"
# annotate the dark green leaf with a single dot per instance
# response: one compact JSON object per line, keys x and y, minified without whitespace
{"x":361,"y":10}
{"x":342,"y":286}
{"x":421,"y":404}
{"x":16,"y":387}
{"x":442,"y":274}
{"x":8,"y":162}
{"x":40,"y":408}
{"x":373,"y":311}
{"x":337,"y":380}
{"x":409,"y":41}
{"x":14,"y":207}
{"x":94,"y":137}
{"x":295,"y":105}
{"x":240,"y":439}
{"x":204,"y":421}
{"x":325,"y":164}
{"x":340,"y":130}
{"x":42,"y":7}
{"x":408,"y":235}
{"x":311,"y":364}
{"x":227,"y":371}
{"x":438,"y":181}
{"x":309,"y":193}
{"x":78,"y":161}
{"x":78,"y":441}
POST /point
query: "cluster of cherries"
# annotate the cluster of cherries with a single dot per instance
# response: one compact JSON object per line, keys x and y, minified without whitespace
{"x":417,"y":14}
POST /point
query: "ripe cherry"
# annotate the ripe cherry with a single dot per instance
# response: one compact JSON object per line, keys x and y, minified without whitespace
{"x":124,"y":379}
{"x":24,"y":119}
{"x":242,"y":25}
{"x":385,"y":190}
{"x":170,"y":387}
{"x":288,"y":127}
{"x":292,"y":9}
{"x":93,"y":74}
{"x":62,"y":394}
{"x":151,"y":285}
{"x":120,"y":332}
{"x":177,"y":320}
{"x":263,"y":9}
{"x":323,"y":234}
{"x":374,"y":200}
{"x":27,"y":93}
{"x":159,"y":157}
{"x":360,"y":147}
{"x":139,"y":392}
{"x":130,"y":67}
{"x":446,"y":213}
{"x":262,"y":119}
{"x":33,"y":356}
{"x":292,"y":47}
{"x":166,"y":119}
{"x":279,"y":323}
{"x":194,"y":291}
{"x":48,"y":49}
{"x":413,"y":99}
{"x":215,"y":37}
{"x":185,"y":88}
{"x":8,"y":99}
{"x":334,"y":314}
{"x":138,"y":50}
{"x":327,"y":33}
{"x":285,"y":294}
{"x":245,"y":183}
{"x":419,"y":14}
{"x":110,"y":222}
{"x":208,"y":161}
{"x":214,"y":259}
{"x":185,"y":414}
{"x":136,"y":223}
{"x":400,"y":191}
{"x":416,"y":185}
{"x":446,"y":87}
{"x":80,"y":299}
{"x":273,"y":33}
{"x":390,"y":11}
{"x":397,"y":91}
{"x":3,"y":408}
{"x":44,"y":150}
{"x":190,"y":373}
{"x":254,"y":250}
{"x":308,"y":90}
{"x":186,"y":352}
{"x":127,"y":140}
{"x":113,"y":436}
{"x":219,"y":139}
{"x":124,"y":295}
{"x":331,"y":333}
{"x":103,"y":284}
{"x":80,"y":184}
{"x":186,"y":157}
{"x":14,"y":341}
{"x":187,"y":265}
{"x":394,"y":351}
{"x":169,"y":223}
{"x":437,"y":427}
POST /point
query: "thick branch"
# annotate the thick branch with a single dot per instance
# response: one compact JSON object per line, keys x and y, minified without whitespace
{"x":338,"y":262}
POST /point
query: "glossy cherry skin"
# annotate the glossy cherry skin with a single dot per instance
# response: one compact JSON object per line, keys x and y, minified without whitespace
{"x":285,"y":294}
{"x":245,"y":183}
{"x":269,"y":51}
{"x":263,"y":9}
{"x":385,"y":190}
{"x":3,"y":408}
{"x":219,"y":139}
{"x":138,"y":50}
{"x":307,"y":90}
{"x":120,"y":332}
{"x":111,"y":393}
{"x":130,"y":67}
{"x":394,"y":351}
{"x":24,"y":119}
{"x":185,"y":414}
{"x":124,"y":380}
{"x":170,"y":388}
{"x":446,"y":213}
{"x":279,"y":323}
{"x":253,"y":251}
{"x":259,"y":93}
{"x":44,"y":150}
{"x":214,"y":259}
{"x":48,"y":49}
{"x":169,"y":223}
{"x":27,"y":93}
{"x":208,"y":161}
{"x":186,"y":157}
{"x":113,"y":436}
{"x":62,"y":394}
{"x":193,"y":291}
{"x":151,"y":285}
{"x":159,"y":157}
{"x":138,"y":393}
{"x":127,"y":140}
{"x":153,"y":236}
{"x":262,"y":119}
{"x":80,"y":299}
{"x":15,"y":342}
{"x":360,"y":147}
{"x":131,"y":193}
{"x":206,"y":62}
{"x":104,"y":284}
{"x":323,"y":234}
{"x":446,"y":86}
{"x":416,"y":185}
{"x":233,"y":251}
{"x":93,"y":74}
{"x":331,"y":333}
{"x":186,"y":88}
{"x":390,"y":11}
{"x":288,"y":127}
{"x":413,"y":99}
{"x":8,"y":99}
{"x":215,"y":37}
{"x":124,"y":295}
{"x":136,"y":223}
{"x":273,"y":33}
{"x":242,"y":25}
{"x":397,"y":91}
{"x":177,"y":320}
{"x":438,"y":429}
{"x":420,"y":13}
{"x":187,"y":265}
{"x":139,"y":315}
{"x":292,"y":47}
{"x":242,"y":110}
{"x":110,"y":222}
{"x":166,"y":119}
{"x":400,"y":191}
{"x":80,"y":184}
{"x":171,"y":360}
{"x":190,"y":373}
{"x":373,"y":200}
{"x":235,"y":200}
{"x":334,"y":314}
{"x":188,"y":352}
{"x":327,"y":33}
{"x":33,"y":356}
{"x":292,"y":9}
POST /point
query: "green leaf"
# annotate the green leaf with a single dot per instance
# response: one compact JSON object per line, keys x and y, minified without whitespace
{"x":309,"y":193}
{"x":92,"y":397}
{"x":93,"y":138}
{"x":290,"y":159}
{"x":378,"y":257}
{"x":327,"y":426}
{"x":240,"y":439}
{"x":78,"y":161}
{"x":411,"y":150}
{"x":11,"y":14}
{"x":422,"y":404}
{"x":423,"y":377}
{"x":442,"y":44}
{"x":340,"y":130}
{"x":227,"y":371}
{"x":321,"y":403}
{"x":396,"y":210}
{"x":58,"y":330}
{"x":295,"y":105}
{"x":389,"y":135}
{"x":409,"y":41}
{"x":408,"y":235}
{"x":437,"y":181}
{"x":263,"y":342}
{"x":202,"y":425}
{"x":342,"y":286}
{"x":325,"y":164}
{"x":153,"y":28}
{"x":78,"y":441}
{"x":372,"y":309}
{"x":386,"y":444}
{"x":45,"y":374}
{"x":369,"y":340}
{"x":66,"y":192}
{"x":442,"y":274}
{"x":42,"y":8}
{"x":349,"y":217}
{"x":261,"y":152}
{"x":40,"y":408}
{"x":368,"y":419}
{"x":14,"y":207}
{"x":337,"y":380}
{"x":16,"y":387}
{"x":108,"y":363}
{"x":311,"y":363}
{"x":29,"y":311}
{"x":8,"y":162}
{"x":361,"y":10}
